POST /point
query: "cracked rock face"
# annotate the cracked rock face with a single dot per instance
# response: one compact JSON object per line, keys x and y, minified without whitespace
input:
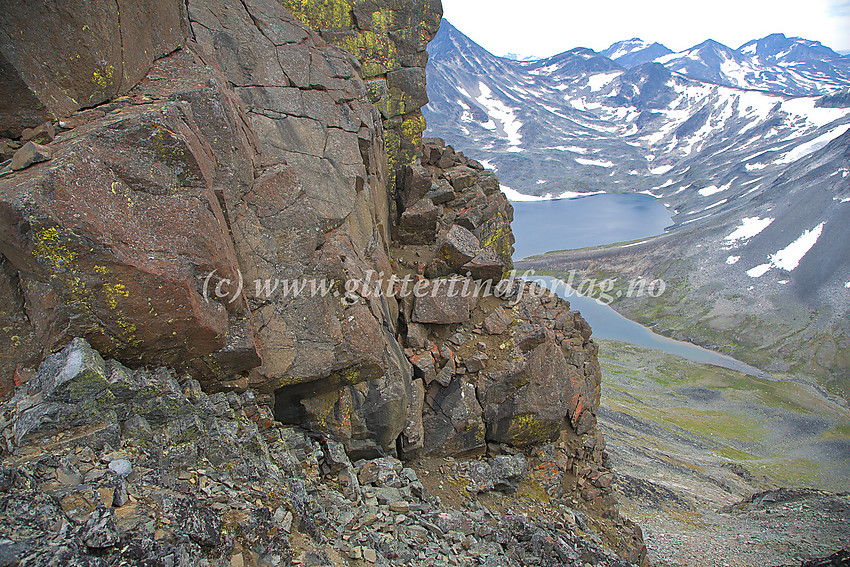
{"x":388,"y":38}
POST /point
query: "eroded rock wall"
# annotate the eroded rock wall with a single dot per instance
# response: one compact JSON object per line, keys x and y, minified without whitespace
{"x":187,"y":223}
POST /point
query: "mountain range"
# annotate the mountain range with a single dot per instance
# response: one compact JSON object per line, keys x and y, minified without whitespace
{"x":775,"y":63}
{"x":756,"y":175}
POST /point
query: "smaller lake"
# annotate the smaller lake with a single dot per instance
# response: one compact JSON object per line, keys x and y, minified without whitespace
{"x":608,"y":324}
{"x":595,"y":220}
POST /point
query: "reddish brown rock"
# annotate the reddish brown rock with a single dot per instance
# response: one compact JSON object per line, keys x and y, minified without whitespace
{"x":461,"y":177}
{"x":41,"y":134}
{"x":415,"y":184}
{"x":446,"y":159}
{"x":476,"y":363}
{"x":29,"y":154}
{"x":498,"y":321}
{"x":528,"y":336}
{"x":423,"y":366}
{"x":443,"y":302}
{"x":432,"y":150}
{"x":89,"y":225}
{"x":485,"y":266}
{"x":58,"y":56}
{"x":457,"y":247}
{"x":418,"y":224}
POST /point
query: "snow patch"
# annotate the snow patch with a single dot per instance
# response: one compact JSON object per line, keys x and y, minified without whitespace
{"x":661,"y":169}
{"x":806,"y":148}
{"x":514,"y":195}
{"x":578,"y":104}
{"x":732,"y":259}
{"x":596,"y":82}
{"x":575,"y":195}
{"x":574,"y":149}
{"x":804,"y":108}
{"x":758,"y":271}
{"x":596,"y":162}
{"x":789,"y":257}
{"x":750,"y":226}
{"x":713,"y":189}
{"x":717,"y":204}
{"x":497,"y":110}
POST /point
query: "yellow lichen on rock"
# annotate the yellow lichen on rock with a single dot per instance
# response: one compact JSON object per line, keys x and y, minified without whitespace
{"x":322,"y":14}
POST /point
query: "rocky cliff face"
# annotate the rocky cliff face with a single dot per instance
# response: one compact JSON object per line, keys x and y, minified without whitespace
{"x":389,"y":38}
{"x":218,"y":188}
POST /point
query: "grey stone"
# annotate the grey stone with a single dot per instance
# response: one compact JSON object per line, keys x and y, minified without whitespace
{"x":441,"y":192}
{"x":100,"y":530}
{"x":508,"y":471}
{"x":476,"y":363}
{"x":453,"y":420}
{"x":120,"y":497}
{"x":31,"y":153}
{"x":121,"y":467}
{"x":7,"y":478}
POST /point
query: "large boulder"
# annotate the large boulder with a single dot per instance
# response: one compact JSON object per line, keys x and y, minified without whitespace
{"x":418,"y":224}
{"x":452,"y":420}
{"x":443,"y":302}
{"x":528,"y":405}
{"x":57,"y":56}
{"x":113,"y":238}
{"x":457,"y":247}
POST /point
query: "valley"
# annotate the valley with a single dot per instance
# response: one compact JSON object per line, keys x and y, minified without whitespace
{"x":756,"y":259}
{"x":690,"y":441}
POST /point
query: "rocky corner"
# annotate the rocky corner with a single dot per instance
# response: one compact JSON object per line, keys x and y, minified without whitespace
{"x":154,"y":150}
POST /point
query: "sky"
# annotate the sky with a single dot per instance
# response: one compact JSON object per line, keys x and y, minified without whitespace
{"x":541,"y":28}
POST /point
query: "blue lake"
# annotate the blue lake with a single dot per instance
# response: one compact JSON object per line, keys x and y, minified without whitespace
{"x":595,"y":220}
{"x":608,"y":324}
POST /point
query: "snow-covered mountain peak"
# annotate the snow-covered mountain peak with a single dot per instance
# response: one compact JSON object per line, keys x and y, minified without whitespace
{"x":634,"y":52}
